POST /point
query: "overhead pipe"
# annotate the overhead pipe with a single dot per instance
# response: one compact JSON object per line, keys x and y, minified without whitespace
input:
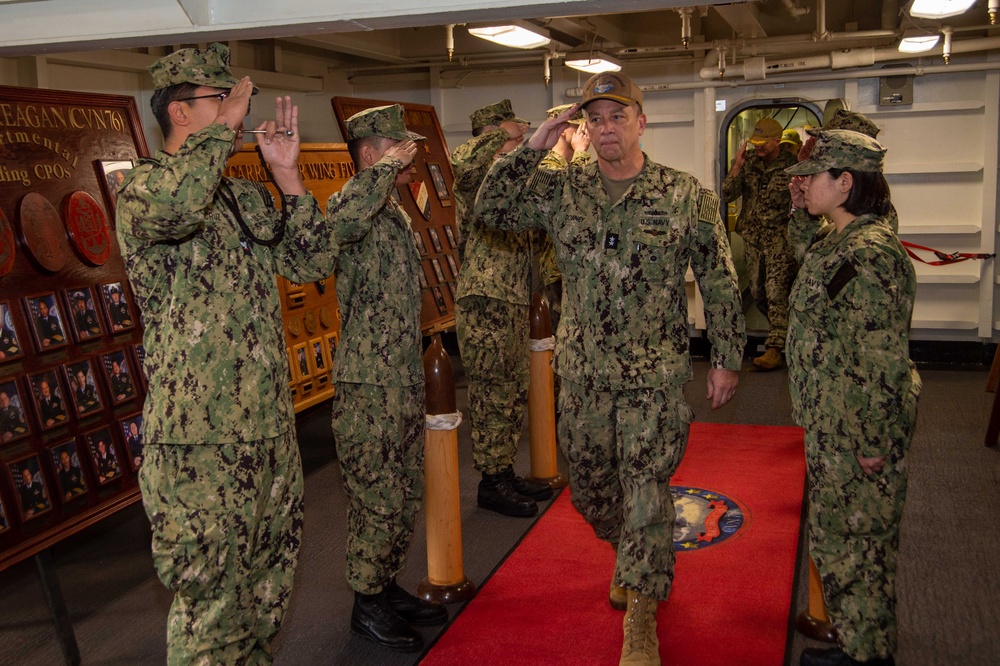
{"x":757,"y":69}
{"x":449,"y":39}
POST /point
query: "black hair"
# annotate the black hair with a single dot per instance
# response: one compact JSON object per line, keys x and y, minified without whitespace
{"x":355,"y":146}
{"x":869,"y":194}
{"x":162,"y":98}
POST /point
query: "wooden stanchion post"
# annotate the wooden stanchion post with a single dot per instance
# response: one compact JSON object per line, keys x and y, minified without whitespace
{"x":446,"y":581}
{"x":541,"y":399}
{"x":815,"y":622}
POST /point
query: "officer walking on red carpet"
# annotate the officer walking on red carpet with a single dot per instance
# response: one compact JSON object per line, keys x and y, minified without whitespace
{"x":625,"y":230}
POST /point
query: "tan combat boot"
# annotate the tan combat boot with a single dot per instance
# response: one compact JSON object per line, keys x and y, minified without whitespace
{"x":640,"y":646}
{"x":618,"y":597}
{"x":770,"y":360}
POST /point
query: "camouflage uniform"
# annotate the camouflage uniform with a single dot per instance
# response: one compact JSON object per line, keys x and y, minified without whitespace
{"x":378,"y":407}
{"x":763,"y":224}
{"x":493,"y":298}
{"x":221,"y":478}
{"x":622,"y":346}
{"x":854,"y":390}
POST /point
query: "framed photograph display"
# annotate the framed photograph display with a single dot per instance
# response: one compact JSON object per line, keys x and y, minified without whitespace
{"x":419,"y":240}
{"x":331,"y":347}
{"x":440,"y":187}
{"x":10,"y":346}
{"x":83,"y":389}
{"x":453,"y":265}
{"x":102,"y":452}
{"x":435,"y":239}
{"x":46,"y":321}
{"x":318,"y":356}
{"x":32,"y":494}
{"x":300,"y":360}
{"x":83,"y":317}
{"x":442,"y":306}
{"x":4,"y":521}
{"x":69,"y":470}
{"x":50,"y":402}
{"x":438,"y":271}
{"x":450,"y":235}
{"x":119,"y":311}
{"x":13,"y":422}
{"x":132,"y":434}
{"x":112,"y":173}
{"x":118,"y":370}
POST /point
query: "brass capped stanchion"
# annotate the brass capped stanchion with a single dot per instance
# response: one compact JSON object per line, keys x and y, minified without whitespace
{"x":446,"y":581}
{"x":541,"y":399}
{"x":815,"y":623}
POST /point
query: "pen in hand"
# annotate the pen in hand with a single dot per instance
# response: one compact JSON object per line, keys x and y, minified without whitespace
{"x":285,"y":132}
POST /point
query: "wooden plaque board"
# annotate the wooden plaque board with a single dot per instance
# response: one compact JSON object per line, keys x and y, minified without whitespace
{"x":429,"y":203}
{"x":60,"y":155}
{"x":310,"y":311}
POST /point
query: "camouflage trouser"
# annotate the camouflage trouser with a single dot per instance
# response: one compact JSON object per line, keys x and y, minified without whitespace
{"x":772,"y":272}
{"x":854,"y":541}
{"x":493,"y":341}
{"x":622,"y":448}
{"x":227,"y":524}
{"x":379,"y":434}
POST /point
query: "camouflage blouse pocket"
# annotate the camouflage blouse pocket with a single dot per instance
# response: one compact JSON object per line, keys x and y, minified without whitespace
{"x":654,"y":244}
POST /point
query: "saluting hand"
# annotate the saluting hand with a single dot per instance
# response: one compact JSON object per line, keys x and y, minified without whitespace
{"x":580,"y":139}
{"x":281,"y":150}
{"x":548,"y":133}
{"x":236,"y":105}
{"x":404,"y":151}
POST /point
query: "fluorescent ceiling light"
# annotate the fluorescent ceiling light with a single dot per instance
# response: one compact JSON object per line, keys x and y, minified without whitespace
{"x":937,"y":9}
{"x":519,"y":34}
{"x":593,"y":62}
{"x":918,"y":42}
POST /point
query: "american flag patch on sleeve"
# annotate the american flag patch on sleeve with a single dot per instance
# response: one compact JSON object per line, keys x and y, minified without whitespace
{"x":708,"y":206}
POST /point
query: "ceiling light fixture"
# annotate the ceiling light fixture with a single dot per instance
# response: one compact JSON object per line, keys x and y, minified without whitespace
{"x":593,"y":62}
{"x":916,"y":41}
{"x":938,"y":9}
{"x":518,"y":34}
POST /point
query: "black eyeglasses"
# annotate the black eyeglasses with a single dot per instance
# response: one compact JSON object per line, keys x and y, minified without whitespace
{"x":219,"y":96}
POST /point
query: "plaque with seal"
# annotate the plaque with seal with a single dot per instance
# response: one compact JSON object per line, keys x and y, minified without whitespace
{"x":42,"y":232}
{"x":8,"y":250}
{"x":309,"y":320}
{"x":420,"y":197}
{"x":88,"y":228}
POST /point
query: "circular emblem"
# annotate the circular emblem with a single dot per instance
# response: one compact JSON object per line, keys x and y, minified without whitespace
{"x":42,"y":232}
{"x":309,"y":319}
{"x":88,"y":228}
{"x":295,"y":327}
{"x":704,"y":518}
{"x":8,"y":250}
{"x":325,"y":317}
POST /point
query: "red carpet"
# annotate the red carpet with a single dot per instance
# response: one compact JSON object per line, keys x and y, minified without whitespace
{"x":730,"y":604}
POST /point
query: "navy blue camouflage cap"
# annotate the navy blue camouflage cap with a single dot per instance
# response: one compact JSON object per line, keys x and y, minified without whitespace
{"x":494,"y":114}
{"x":386,"y":121}
{"x":577,"y":118}
{"x":841,"y":149}
{"x":202,"y":67}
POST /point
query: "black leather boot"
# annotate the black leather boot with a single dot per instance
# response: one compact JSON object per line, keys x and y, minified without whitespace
{"x":416,"y":611}
{"x":497,"y":494}
{"x":374,"y":619}
{"x":534,"y":490}
{"x":836,"y":657}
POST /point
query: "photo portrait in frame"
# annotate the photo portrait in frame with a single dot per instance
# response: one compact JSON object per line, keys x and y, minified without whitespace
{"x":50,"y":403}
{"x":102,"y":452}
{"x":83,"y":388}
{"x":13,"y":422}
{"x":331,"y":347}
{"x":32,"y":494}
{"x":442,"y":306}
{"x":118,"y":370}
{"x":46,"y":321}
{"x":69,"y":471}
{"x":418,"y":238}
{"x":435,"y":240}
{"x":119,"y":311}
{"x":112,"y":174}
{"x":318,"y":356}
{"x":440,"y":187}
{"x":452,"y":264}
{"x":4,"y":521}
{"x":10,"y":346}
{"x":300,"y":360}
{"x":132,"y":433}
{"x":83,"y":316}
{"x":437,"y":270}
{"x":423,"y":280}
{"x":450,"y":235}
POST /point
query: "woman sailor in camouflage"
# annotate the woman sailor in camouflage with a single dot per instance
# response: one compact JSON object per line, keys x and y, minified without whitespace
{"x":853,"y":386}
